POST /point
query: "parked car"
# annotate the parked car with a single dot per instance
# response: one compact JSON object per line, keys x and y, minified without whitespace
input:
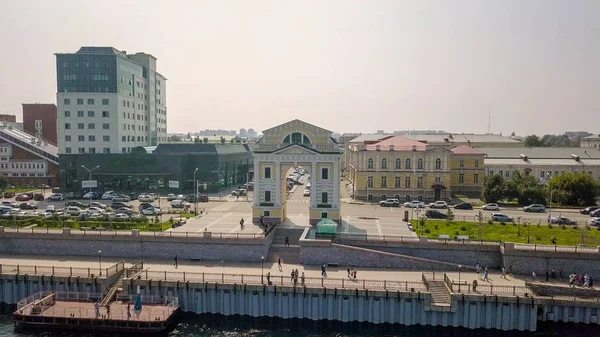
{"x":561,"y":220}
{"x":306,"y":193}
{"x":439,"y":204}
{"x":124,"y":210}
{"x":491,"y":207}
{"x":239,"y":192}
{"x":93,"y":210}
{"x":535,"y":208}
{"x":171,"y":197}
{"x":145,"y":198}
{"x":109,"y":195}
{"x":57,"y":197}
{"x":249,"y":186}
{"x":464,"y":205}
{"x":178,"y":203}
{"x":588,"y":210}
{"x":594,"y":222}
{"x":203,"y":198}
{"x":435,"y":214}
{"x":27,"y":205}
{"x":595,"y":214}
{"x":121,"y":216}
{"x":151,"y":211}
{"x":499,"y":217}
{"x":22,"y":197}
{"x":76,"y":204}
{"x":120,"y":204}
{"x":73,"y":210}
{"x":121,"y":198}
{"x":414,"y":204}
{"x":91,"y":195}
{"x":50,"y":208}
{"x":389,"y":203}
{"x":98,"y":204}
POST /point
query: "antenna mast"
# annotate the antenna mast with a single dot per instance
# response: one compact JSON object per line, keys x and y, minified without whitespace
{"x":489,"y":123}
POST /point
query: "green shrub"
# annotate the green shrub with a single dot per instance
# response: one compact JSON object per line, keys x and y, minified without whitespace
{"x":427,"y":230}
{"x":553,"y":240}
{"x":537,"y":237}
{"x":436,"y":227}
{"x":550,"y":226}
{"x":463,"y":228}
{"x":490,"y":221}
{"x":502,"y":223}
{"x":575,"y":227}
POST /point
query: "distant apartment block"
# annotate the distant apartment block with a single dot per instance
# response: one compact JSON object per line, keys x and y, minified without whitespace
{"x":8,"y":118}
{"x":40,"y":120}
{"x":109,"y":101}
{"x":592,"y":141}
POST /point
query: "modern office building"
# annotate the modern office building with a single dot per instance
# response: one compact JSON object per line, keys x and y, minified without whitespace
{"x":109,"y":101}
{"x":39,"y":120}
{"x":167,"y":168}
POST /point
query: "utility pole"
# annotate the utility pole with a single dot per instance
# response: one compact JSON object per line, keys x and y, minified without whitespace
{"x":195,"y":194}
{"x":90,"y":178}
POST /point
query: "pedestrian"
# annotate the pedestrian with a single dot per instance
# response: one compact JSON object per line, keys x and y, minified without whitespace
{"x":296,"y":274}
{"x":279,"y":264}
{"x":97,"y":307}
{"x":560,"y":275}
{"x":348,"y":270}
{"x":510,"y":270}
{"x":176,"y":262}
{"x":503,"y":273}
{"x":355,"y":275}
{"x":477,"y":267}
{"x":547,"y":275}
{"x":302,"y":280}
{"x":591,"y":282}
{"x":287,"y":241}
{"x":242,"y":224}
{"x":533,"y":276}
{"x":293,"y":274}
{"x":128,"y":310}
{"x":485,"y":275}
{"x":553,"y":273}
{"x":572,"y":278}
{"x":108,"y":310}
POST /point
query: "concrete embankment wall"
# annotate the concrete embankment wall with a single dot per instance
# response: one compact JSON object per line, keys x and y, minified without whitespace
{"x":159,"y":247}
{"x":528,"y":261}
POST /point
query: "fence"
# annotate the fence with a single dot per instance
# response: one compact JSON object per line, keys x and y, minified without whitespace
{"x":488,"y":289}
{"x":555,"y":248}
{"x":60,"y":271}
{"x":343,"y":237}
{"x":322,"y":282}
{"x":104,"y":232}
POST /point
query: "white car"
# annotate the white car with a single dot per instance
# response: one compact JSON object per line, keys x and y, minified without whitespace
{"x":22,"y":214}
{"x":109,"y":195}
{"x":308,"y":185}
{"x":491,"y":207}
{"x":306,"y":193}
{"x":594,"y":222}
{"x":56,"y":197}
{"x":73,"y":211}
{"x":151,"y":211}
{"x":145,"y":198}
{"x":50,"y":208}
{"x":414,"y":204}
{"x":439,"y":204}
{"x":121,"y":216}
{"x":94,"y":210}
{"x":96,"y":215}
{"x":171,"y":197}
{"x":47,"y":215}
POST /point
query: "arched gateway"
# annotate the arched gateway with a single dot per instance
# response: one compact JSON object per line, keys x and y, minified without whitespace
{"x":296,"y":143}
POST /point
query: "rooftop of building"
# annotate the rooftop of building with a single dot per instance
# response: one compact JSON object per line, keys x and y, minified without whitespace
{"x":181,"y":148}
{"x":442,"y":138}
{"x":596,"y":136}
{"x":465,"y":150}
{"x":399,"y":143}
{"x":541,"y":152}
{"x":30,"y":140}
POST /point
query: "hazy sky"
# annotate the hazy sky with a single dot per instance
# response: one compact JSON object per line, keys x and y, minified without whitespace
{"x":349,"y":66}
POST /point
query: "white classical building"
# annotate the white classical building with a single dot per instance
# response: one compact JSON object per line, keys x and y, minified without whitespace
{"x":296,"y":143}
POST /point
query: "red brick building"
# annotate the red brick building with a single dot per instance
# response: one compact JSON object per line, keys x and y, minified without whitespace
{"x":40,"y":120}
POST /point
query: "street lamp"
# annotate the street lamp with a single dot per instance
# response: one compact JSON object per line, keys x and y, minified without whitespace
{"x":262,"y":269}
{"x":550,"y":202}
{"x":90,"y":178}
{"x":100,"y":260}
{"x":195,"y":193}
{"x":459,"y":267}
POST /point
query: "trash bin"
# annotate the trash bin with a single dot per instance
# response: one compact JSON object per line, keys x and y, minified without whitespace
{"x":406,"y":216}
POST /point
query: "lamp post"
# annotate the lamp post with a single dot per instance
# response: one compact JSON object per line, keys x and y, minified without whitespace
{"x":100,"y":260}
{"x":550,"y":201}
{"x":262,"y":269}
{"x":195,"y":193}
{"x":459,"y":267}
{"x":528,"y":230}
{"x":90,"y":178}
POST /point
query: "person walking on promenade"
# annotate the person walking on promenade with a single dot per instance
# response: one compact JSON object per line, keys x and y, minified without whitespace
{"x":242,"y":224}
{"x":348,"y":270}
{"x":533,"y":276}
{"x":303,"y":280}
{"x":510,"y":270}
{"x":354,"y":275}
{"x":323,"y":271}
{"x":287,"y":241}
{"x":485,"y":275}
{"x":279,"y":264}
{"x":503,"y":273}
{"x":292,"y":275}
{"x":97,"y":307}
{"x":477,"y":267}
{"x":547,"y":275}
{"x":128,"y":310}
{"x":175,"y":264}
{"x":553,"y":273}
{"x":108,"y":311}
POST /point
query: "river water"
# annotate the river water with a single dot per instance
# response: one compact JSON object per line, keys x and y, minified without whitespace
{"x":233,"y":326}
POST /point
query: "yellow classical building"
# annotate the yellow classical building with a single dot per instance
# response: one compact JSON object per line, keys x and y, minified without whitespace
{"x":402,"y":168}
{"x":467,"y":171}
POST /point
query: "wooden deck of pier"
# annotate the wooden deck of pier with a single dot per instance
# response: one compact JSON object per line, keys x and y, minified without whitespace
{"x":117,"y":316}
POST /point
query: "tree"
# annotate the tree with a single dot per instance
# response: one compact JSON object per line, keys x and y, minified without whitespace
{"x":493,"y":188}
{"x":174,"y":138}
{"x":3,"y":183}
{"x":526,"y":188}
{"x":205,"y":140}
{"x":479,"y":218}
{"x":532,"y":141}
{"x":449,"y":216}
{"x":574,"y":189}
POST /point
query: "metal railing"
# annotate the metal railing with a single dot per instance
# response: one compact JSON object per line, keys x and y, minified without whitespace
{"x":488,"y":289}
{"x":315,"y":282}
{"x":104,"y":232}
{"x":15,"y":269}
{"x":555,"y":248}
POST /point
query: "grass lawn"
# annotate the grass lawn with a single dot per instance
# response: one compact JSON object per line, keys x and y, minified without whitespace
{"x":568,"y":236}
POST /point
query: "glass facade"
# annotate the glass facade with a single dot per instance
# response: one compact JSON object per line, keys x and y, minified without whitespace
{"x":86,"y":73}
{"x":138,"y":172}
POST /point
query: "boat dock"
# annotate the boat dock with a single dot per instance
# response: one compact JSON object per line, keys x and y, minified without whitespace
{"x":72,"y":311}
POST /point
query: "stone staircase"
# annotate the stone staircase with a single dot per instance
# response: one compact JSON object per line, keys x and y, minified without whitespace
{"x":289,"y":255}
{"x":439,"y":294}
{"x":293,"y":233}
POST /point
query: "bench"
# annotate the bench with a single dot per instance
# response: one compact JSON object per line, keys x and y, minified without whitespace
{"x":462,"y":237}
{"x":443,"y":237}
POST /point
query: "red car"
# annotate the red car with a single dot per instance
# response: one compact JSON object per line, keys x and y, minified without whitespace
{"x":22,"y":197}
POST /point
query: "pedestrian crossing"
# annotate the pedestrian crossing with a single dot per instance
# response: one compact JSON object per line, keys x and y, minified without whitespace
{"x":306,"y":201}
